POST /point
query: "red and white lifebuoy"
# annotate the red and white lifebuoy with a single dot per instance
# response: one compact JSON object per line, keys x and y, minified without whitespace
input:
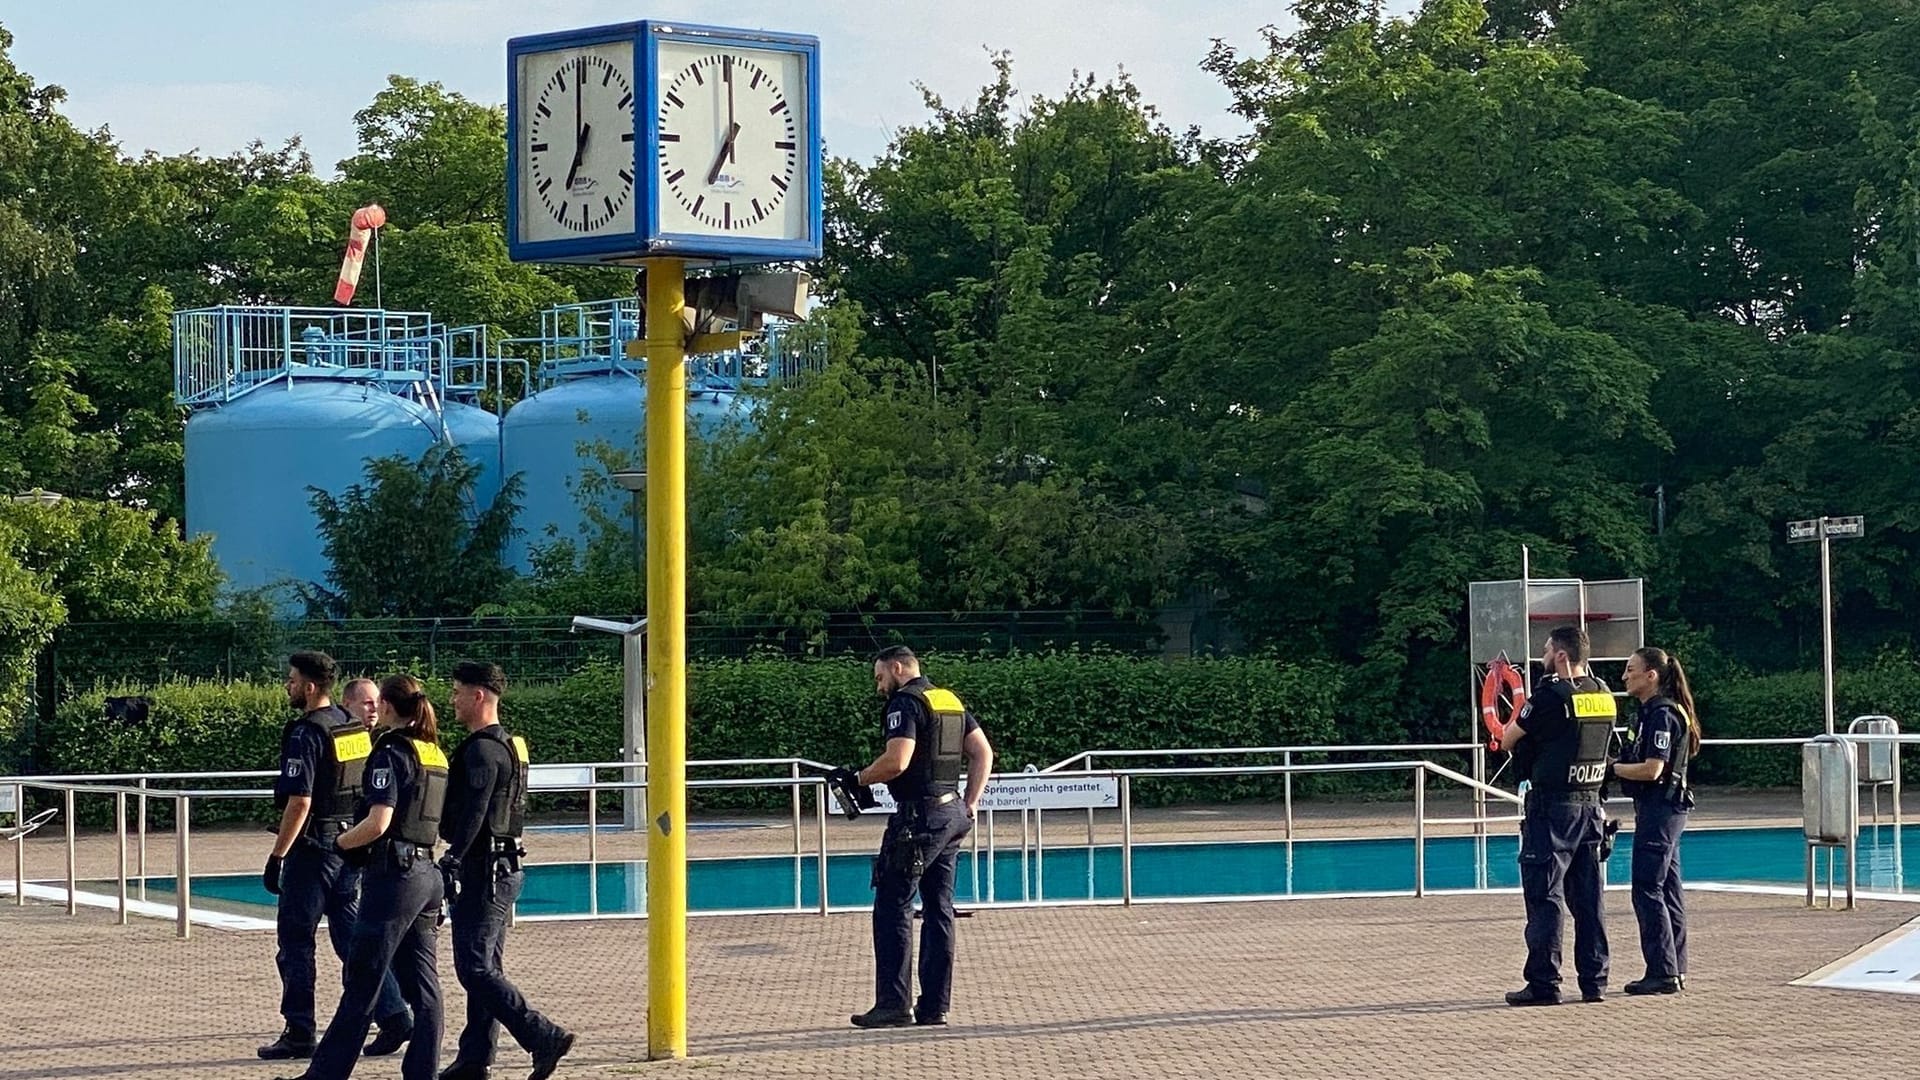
{"x":1503,"y":686}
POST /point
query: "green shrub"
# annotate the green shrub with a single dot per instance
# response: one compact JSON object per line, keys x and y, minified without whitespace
{"x":1789,"y":706}
{"x":1036,"y":709}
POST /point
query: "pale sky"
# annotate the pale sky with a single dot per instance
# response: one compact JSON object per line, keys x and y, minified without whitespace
{"x":178,"y":75}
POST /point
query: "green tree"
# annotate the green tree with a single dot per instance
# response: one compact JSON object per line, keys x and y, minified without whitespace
{"x":410,"y":543}
{"x":106,"y":563}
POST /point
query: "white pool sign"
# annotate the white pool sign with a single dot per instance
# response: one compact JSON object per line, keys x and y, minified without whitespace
{"x":1031,"y":791}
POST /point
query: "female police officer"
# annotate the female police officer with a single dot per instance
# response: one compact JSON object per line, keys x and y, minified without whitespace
{"x":1653,"y":769}
{"x":406,"y":787}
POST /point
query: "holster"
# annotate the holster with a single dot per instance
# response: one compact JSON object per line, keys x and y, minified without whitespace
{"x":904,"y":851}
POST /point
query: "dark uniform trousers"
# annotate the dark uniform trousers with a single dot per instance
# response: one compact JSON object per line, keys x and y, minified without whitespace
{"x":1658,"y":904}
{"x":399,"y":914}
{"x":314,"y":882}
{"x":946,"y":825}
{"x":1560,"y":837}
{"x":479,"y":946}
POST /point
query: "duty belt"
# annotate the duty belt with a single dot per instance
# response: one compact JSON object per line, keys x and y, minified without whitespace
{"x":1567,"y":796}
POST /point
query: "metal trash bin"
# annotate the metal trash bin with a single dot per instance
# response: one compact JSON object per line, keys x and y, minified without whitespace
{"x":1830,"y":807}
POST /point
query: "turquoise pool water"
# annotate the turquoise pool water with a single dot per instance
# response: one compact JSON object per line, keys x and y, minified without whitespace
{"x":1160,"y":871}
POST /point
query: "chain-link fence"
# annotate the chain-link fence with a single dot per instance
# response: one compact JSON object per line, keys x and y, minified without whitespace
{"x":543,"y":649}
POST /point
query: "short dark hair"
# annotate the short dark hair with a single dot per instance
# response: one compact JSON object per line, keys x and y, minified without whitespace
{"x":479,"y":673}
{"x":896,"y":654}
{"x":316,"y":667}
{"x":1573,"y":641}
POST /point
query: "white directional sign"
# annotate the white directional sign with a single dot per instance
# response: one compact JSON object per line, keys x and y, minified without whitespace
{"x":1838,"y":528}
{"x":1031,"y":791}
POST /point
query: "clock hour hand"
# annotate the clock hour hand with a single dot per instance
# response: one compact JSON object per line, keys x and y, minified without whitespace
{"x":579,"y":152}
{"x":726,"y":151}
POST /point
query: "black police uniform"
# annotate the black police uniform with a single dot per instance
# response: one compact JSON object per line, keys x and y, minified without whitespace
{"x":1569,"y":725}
{"x":1659,"y":815}
{"x":399,"y":912}
{"x":323,"y":755}
{"x":486,"y":812}
{"x":928,"y":823}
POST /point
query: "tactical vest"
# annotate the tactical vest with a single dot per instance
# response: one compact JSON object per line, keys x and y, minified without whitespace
{"x":417,"y":819}
{"x":342,"y":767}
{"x":1577,"y":760}
{"x":1674,"y":780}
{"x":938,"y":758}
{"x":507,"y":813}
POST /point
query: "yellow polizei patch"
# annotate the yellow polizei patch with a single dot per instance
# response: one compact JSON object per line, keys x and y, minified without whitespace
{"x":944,"y":701}
{"x":353,"y":747}
{"x":430,"y":754}
{"x":1593,"y":705}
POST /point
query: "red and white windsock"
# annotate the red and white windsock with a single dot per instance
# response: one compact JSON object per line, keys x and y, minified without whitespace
{"x":365,"y":220}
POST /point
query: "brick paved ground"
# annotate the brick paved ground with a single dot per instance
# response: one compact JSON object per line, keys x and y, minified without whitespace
{"x":1318,"y":988}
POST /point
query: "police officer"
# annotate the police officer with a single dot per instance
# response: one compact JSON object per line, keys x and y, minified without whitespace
{"x":361,"y":699}
{"x":1561,"y":737}
{"x":323,"y":754}
{"x":929,"y":733}
{"x":486,"y":814}
{"x":1653,"y":769}
{"x":406,"y":791}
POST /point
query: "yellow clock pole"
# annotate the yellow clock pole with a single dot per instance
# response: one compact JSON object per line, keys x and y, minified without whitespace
{"x":666,"y":661}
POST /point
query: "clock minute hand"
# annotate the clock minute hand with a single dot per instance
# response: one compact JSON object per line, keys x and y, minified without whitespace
{"x":579,"y":120}
{"x":579,"y":152}
{"x":726,"y":149}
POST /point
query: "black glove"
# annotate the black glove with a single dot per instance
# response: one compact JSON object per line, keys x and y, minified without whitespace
{"x":853,"y":795}
{"x":270,"y":877}
{"x":357,"y":856}
{"x":1608,"y":833}
{"x":449,"y":877}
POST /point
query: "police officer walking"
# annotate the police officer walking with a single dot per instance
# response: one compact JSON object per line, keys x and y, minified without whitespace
{"x":323,"y":754}
{"x":406,"y":789}
{"x":1560,"y":740}
{"x":928,"y":734}
{"x":1653,"y":769}
{"x":486,"y":814}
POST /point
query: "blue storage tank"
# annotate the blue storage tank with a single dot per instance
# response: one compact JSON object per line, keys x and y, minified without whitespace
{"x":542,"y":437}
{"x":250,"y":462}
{"x":477,"y":433}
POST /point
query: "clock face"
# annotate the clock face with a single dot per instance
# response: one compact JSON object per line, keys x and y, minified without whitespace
{"x":733,"y":141}
{"x":575,"y":142}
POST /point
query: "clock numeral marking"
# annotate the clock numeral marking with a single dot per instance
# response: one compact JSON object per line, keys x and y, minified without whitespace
{"x":698,"y":81}
{"x":539,"y":148}
{"x":543,"y":110}
{"x":608,"y":77}
{"x":755,"y":84}
{"x":783,"y":145}
{"x":560,"y":80}
{"x":626,"y":176}
{"x":778,"y":107}
{"x":624,"y":102}
{"x":627,"y":136}
{"x":677,"y":103}
{"x":726,"y":215}
{"x":697,"y":204}
{"x":609,"y":201}
{"x":545,"y":184}
{"x":674,"y":177}
{"x":563,"y":213}
{"x":668,"y":136}
{"x":779,"y":183}
{"x":757,"y":212}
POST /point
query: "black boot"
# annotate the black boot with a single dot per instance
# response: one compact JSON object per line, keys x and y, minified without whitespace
{"x":1533,"y":995}
{"x":1651,"y":985}
{"x":878,"y":1017}
{"x":393,"y":1036}
{"x":290,"y":1046}
{"x":548,"y":1060}
{"x":462,"y":1071}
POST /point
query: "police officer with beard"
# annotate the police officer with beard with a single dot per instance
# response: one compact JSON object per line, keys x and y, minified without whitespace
{"x":323,"y":755}
{"x":399,"y":920}
{"x":486,"y":815}
{"x":929,"y":735}
{"x":1562,"y":736}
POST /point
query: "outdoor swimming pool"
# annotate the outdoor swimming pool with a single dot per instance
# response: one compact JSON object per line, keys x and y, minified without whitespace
{"x":1168,"y":871}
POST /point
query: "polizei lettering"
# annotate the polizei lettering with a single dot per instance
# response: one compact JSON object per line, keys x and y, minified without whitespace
{"x":1587,"y":774}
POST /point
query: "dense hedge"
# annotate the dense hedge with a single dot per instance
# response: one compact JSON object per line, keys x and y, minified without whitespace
{"x":1778,"y":706}
{"x":1036,"y":709}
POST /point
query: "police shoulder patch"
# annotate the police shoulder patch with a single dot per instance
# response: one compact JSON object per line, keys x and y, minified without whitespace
{"x":894,"y":720}
{"x":1662,"y":740}
{"x":293,"y":769}
{"x":380,"y":779}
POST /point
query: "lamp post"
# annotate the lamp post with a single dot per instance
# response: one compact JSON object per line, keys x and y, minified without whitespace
{"x":634,"y":481}
{"x":633,"y":665}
